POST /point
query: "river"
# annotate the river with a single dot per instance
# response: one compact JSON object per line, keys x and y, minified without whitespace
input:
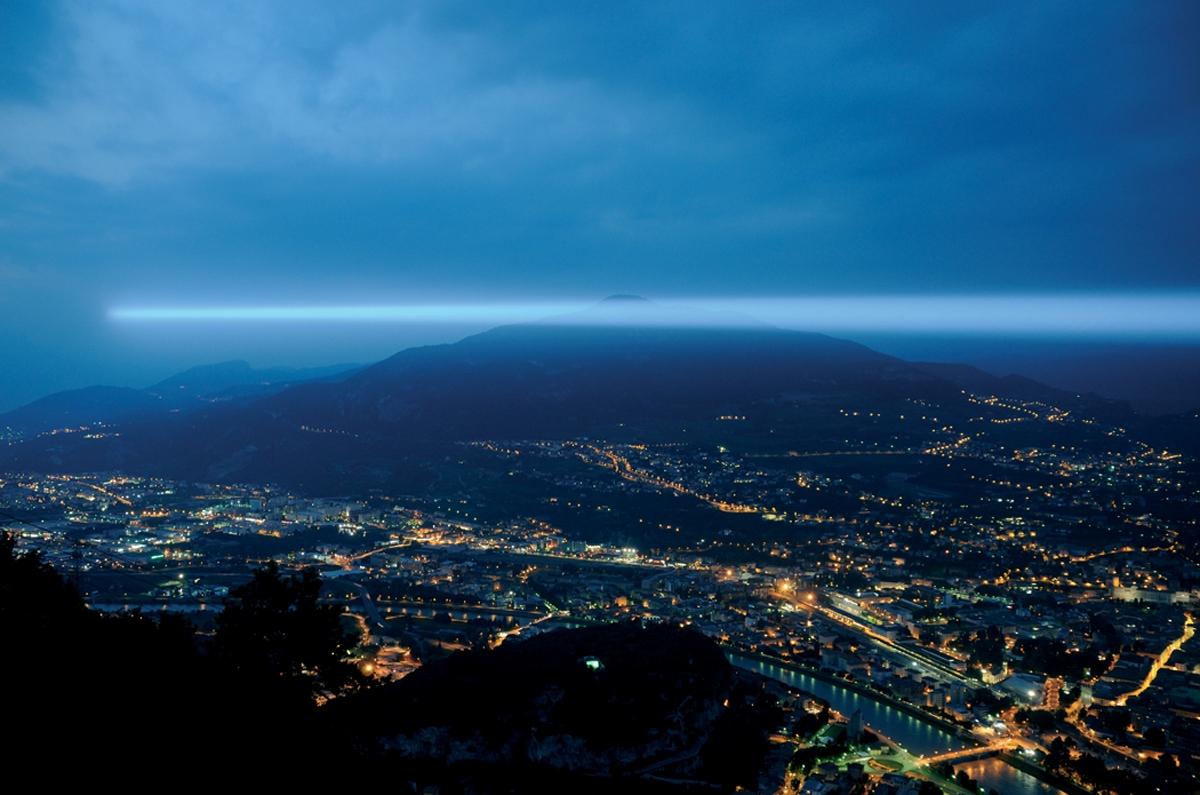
{"x":995,"y":774}
{"x":918,"y":737}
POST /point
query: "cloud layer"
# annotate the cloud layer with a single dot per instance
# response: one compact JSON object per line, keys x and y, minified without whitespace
{"x":202,"y":153}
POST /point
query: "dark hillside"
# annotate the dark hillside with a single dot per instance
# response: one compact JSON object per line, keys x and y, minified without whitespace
{"x":610,"y":701}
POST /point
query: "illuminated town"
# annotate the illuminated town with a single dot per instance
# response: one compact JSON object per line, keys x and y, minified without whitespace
{"x":1047,"y":604}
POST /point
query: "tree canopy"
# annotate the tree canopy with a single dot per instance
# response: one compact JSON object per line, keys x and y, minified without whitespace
{"x":275,"y":628}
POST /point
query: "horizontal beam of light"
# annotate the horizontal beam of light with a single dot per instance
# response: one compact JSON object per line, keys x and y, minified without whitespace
{"x":1138,"y":315}
{"x":1104,"y":316}
{"x":413,"y":313}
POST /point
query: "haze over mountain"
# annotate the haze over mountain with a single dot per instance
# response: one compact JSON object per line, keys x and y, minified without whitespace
{"x":199,"y":386}
{"x":1153,"y":377}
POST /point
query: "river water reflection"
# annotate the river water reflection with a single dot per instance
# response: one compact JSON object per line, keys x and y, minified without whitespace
{"x":995,"y":774}
{"x":915,"y":736}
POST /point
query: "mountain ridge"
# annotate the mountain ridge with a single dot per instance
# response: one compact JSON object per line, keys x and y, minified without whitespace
{"x":386,"y":423}
{"x":185,"y":391}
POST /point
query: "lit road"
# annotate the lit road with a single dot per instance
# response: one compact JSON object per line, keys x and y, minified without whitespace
{"x":626,"y":470}
{"x":1189,"y":629}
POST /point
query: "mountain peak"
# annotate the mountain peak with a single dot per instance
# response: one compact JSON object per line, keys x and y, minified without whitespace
{"x":626,"y":299}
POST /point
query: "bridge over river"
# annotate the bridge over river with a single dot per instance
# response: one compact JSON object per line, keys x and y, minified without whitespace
{"x":922,"y":742}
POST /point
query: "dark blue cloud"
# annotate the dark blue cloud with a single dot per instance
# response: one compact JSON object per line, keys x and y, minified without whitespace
{"x":229,"y":151}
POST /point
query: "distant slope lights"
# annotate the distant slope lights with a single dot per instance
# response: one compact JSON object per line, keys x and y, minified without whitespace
{"x":1156,"y":316}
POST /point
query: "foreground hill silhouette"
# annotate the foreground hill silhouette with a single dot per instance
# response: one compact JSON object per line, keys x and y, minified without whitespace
{"x":590,"y":709}
{"x":627,"y":366}
{"x":95,"y":697}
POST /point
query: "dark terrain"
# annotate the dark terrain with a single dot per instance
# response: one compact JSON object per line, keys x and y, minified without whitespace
{"x":388,"y":426}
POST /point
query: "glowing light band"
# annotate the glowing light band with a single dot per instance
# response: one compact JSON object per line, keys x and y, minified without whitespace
{"x":1136,"y":315}
{"x":418,"y":313}
{"x":1036,"y":315}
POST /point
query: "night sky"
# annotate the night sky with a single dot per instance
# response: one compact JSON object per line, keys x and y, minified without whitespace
{"x":213,"y":155}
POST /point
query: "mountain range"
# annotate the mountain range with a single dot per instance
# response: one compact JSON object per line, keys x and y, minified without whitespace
{"x":198,"y":387}
{"x":627,"y":368}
